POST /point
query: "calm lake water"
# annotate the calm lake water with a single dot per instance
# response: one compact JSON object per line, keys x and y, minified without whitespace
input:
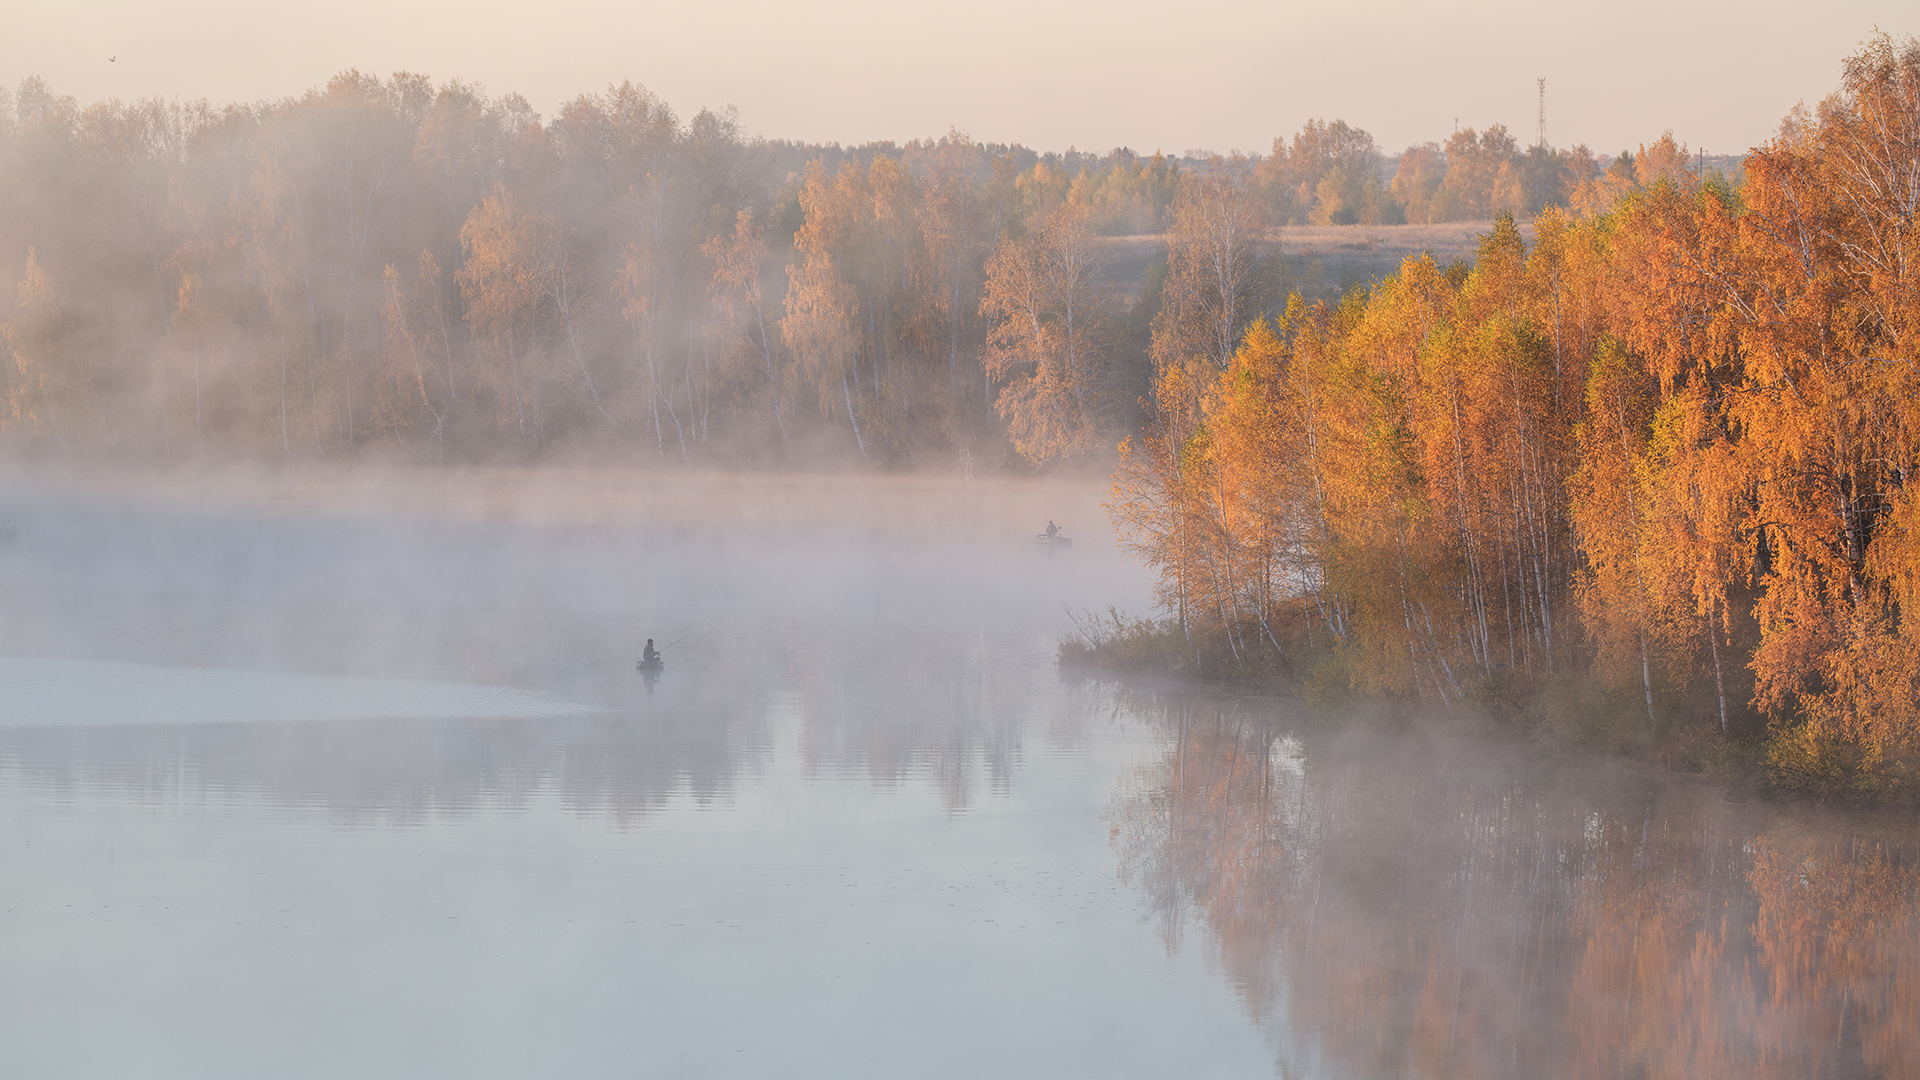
{"x":309,"y":775}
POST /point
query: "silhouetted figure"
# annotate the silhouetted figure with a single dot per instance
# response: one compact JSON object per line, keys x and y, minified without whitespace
{"x":1052,"y":531}
{"x":649,"y":654}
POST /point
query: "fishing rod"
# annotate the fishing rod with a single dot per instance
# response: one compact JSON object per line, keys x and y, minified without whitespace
{"x":653,"y":663}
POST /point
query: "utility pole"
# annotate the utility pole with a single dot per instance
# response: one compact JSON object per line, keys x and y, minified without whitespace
{"x":1540,"y":136}
{"x":1540,"y":143}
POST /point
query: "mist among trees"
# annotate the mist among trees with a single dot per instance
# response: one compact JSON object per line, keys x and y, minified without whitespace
{"x":418,"y":269}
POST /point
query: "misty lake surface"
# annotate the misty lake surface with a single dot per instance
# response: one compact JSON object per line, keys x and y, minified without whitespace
{"x":328,"y":775}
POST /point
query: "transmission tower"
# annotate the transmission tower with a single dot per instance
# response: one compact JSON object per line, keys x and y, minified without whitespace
{"x":1540,"y":144}
{"x":1540,"y":135}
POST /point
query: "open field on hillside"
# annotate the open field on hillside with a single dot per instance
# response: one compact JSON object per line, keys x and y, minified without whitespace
{"x":1322,"y":260}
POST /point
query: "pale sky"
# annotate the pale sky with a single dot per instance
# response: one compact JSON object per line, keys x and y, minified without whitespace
{"x":1207,"y":74}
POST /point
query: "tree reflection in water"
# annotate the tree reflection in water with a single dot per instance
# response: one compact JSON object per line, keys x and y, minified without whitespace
{"x":885,"y":711}
{"x":1401,"y":902}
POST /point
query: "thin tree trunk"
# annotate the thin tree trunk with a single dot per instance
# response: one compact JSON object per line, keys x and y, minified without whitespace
{"x":286,"y":439}
{"x":1719,"y":680}
{"x":851,"y":418}
{"x":1646,"y":679}
{"x":198,"y":434}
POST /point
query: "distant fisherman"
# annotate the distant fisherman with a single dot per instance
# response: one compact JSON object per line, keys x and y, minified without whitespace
{"x":649,"y":654}
{"x":1052,"y":530}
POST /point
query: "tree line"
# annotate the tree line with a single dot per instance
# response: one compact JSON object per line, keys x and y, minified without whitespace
{"x":1664,"y":448}
{"x":398,"y":266}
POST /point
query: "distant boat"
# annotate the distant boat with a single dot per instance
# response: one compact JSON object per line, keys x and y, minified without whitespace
{"x":1054,"y":541}
{"x":656,"y":664}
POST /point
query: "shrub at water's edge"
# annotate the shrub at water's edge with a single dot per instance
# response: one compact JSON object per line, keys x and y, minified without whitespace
{"x":1129,"y":645}
{"x":1572,"y":709}
{"x":1568,"y":710}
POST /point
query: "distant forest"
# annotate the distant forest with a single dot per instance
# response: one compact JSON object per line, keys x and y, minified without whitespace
{"x":407,"y":269}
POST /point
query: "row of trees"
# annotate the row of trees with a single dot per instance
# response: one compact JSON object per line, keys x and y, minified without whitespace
{"x":1333,"y":174}
{"x":392,"y":263}
{"x":379,"y":260}
{"x":1668,"y":446}
{"x":403,"y":265}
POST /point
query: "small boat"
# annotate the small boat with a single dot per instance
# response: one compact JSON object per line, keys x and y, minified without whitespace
{"x":654,"y":665}
{"x":1054,"y":541}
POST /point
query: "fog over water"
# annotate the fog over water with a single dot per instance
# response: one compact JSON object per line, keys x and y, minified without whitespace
{"x":320,"y":773}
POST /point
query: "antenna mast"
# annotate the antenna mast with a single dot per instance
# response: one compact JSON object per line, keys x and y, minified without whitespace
{"x":1540,"y":137}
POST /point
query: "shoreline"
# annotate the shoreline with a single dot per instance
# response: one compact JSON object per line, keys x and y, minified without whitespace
{"x":1746,"y":765}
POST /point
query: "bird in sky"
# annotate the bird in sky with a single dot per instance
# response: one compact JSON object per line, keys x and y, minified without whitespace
{"x":112,"y":58}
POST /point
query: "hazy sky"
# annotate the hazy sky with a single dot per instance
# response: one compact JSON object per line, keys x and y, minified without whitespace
{"x":1213,"y":74}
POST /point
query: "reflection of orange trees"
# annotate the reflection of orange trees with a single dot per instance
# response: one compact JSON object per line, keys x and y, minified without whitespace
{"x":1820,"y":982}
{"x":1839,"y":940}
{"x":1386,"y":941}
{"x":897,"y":718}
{"x":1400,"y":912}
{"x":1202,"y":833}
{"x":409,"y":771}
{"x":1658,"y":978}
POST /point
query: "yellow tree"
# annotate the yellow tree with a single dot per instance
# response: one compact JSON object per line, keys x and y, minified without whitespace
{"x":1262,"y":507}
{"x":1216,"y":276}
{"x":1474,"y":160}
{"x":823,"y":303}
{"x":1050,"y":346}
{"x":899,"y":293}
{"x":1673,"y":252}
{"x":1612,"y":591}
{"x":420,"y":332}
{"x":1379,"y":524}
{"x":501,"y":285}
{"x":1826,"y":321}
{"x":1215,"y":288}
{"x":953,"y":224}
{"x":1416,"y":182}
{"x":1522,"y":437}
{"x":1157,"y":500}
{"x":741,"y":261}
{"x":40,"y":375}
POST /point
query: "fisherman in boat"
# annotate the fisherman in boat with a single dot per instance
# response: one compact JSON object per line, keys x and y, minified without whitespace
{"x":650,"y":655}
{"x":1052,"y":531}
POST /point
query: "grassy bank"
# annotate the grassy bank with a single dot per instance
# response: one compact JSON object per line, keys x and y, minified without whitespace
{"x":1680,"y":729}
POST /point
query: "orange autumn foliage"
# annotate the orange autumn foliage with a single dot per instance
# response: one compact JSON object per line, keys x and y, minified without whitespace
{"x":1666,"y":448}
